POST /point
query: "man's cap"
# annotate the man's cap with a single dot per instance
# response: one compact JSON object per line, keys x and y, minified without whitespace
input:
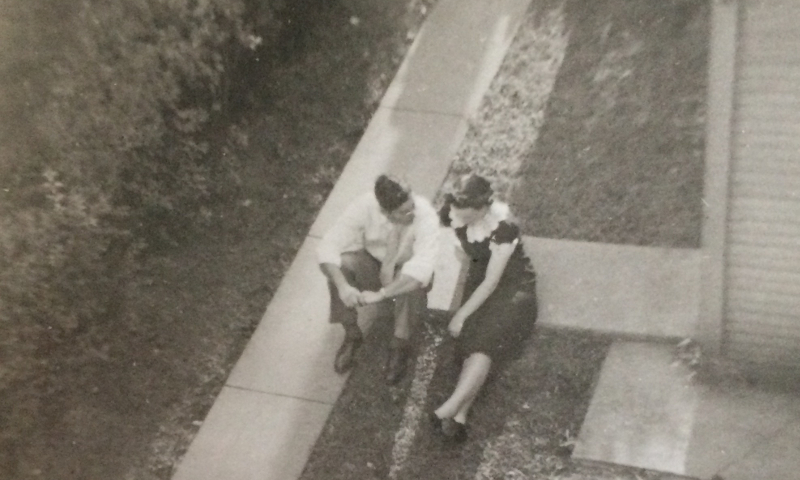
{"x":390,"y":192}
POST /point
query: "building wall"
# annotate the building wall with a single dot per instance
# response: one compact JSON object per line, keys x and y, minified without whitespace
{"x":761,"y":314}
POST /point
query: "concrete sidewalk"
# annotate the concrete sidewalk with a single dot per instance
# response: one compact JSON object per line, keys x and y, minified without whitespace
{"x":276,"y":400}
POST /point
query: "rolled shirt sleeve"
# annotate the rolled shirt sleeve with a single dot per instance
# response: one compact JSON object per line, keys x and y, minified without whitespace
{"x":347,"y":234}
{"x":426,"y":243}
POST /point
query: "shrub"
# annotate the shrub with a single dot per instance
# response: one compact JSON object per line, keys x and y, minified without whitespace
{"x":138,"y":98}
{"x":131,"y":140}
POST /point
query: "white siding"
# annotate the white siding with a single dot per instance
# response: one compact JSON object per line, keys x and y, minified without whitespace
{"x":762,"y":277}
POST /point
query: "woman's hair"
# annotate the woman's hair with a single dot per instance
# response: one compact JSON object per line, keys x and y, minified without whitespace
{"x":391,"y":193}
{"x":472,"y":191}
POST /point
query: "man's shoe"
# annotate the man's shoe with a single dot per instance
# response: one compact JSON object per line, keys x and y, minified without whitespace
{"x":346,"y":354}
{"x":396,"y":363}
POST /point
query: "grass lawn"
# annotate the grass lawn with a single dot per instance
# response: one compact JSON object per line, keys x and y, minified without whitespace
{"x":592,"y":130}
{"x":594,"y":127}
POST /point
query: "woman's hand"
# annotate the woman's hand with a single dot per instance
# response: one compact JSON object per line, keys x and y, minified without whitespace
{"x":501,"y":253}
{"x":456,"y":324}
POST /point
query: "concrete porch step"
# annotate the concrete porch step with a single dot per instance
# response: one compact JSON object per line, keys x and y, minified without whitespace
{"x":647,"y":411}
{"x":642,"y":410}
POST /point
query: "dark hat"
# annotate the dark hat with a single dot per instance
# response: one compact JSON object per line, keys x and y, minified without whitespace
{"x":390,"y":192}
{"x":472,"y":191}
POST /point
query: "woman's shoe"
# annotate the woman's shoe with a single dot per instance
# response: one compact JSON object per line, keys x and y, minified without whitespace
{"x":435,"y":421}
{"x":460,"y":434}
{"x":454,"y":431}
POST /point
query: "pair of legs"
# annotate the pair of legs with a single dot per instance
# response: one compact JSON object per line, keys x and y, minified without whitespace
{"x":362,"y":271}
{"x":474,"y":372}
{"x":497,"y":330}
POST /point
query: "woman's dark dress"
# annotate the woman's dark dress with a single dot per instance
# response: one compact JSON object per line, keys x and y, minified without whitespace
{"x":501,"y":325}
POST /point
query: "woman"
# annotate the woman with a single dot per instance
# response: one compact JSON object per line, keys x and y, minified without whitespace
{"x":499,"y":310}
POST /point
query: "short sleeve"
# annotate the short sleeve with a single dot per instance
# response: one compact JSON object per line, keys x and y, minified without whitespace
{"x":505,"y":232}
{"x":426,"y":243}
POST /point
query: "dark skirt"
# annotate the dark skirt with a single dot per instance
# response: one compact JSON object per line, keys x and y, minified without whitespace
{"x":501,"y":326}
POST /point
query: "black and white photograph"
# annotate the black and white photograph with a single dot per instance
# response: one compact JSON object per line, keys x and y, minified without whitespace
{"x":400,"y":240}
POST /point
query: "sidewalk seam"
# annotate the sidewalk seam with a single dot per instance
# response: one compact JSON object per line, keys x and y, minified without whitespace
{"x":282,"y":395}
{"x":432,"y":112}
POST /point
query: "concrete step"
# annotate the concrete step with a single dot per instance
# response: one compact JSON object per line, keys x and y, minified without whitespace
{"x":649,"y":411}
{"x":642,"y":411}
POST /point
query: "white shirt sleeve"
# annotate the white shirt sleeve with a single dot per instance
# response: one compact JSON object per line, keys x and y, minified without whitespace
{"x":347,"y":234}
{"x":426,"y":243}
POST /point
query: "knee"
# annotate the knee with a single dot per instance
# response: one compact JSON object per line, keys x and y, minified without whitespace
{"x":478,"y":360}
{"x":349,"y":262}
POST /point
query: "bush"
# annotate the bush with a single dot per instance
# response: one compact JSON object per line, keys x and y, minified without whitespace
{"x":131,"y":140}
{"x":149,"y":82}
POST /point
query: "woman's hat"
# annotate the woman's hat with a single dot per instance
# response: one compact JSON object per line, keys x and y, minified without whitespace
{"x":472,"y":191}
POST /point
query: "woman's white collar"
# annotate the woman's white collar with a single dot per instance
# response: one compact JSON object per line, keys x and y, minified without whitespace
{"x":479,"y":230}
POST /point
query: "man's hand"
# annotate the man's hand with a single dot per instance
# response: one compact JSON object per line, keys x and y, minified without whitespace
{"x":456,"y":324}
{"x":371,"y":297}
{"x":349,"y":295}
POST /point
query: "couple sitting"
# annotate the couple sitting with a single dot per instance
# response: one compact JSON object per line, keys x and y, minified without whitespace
{"x":385,"y":246}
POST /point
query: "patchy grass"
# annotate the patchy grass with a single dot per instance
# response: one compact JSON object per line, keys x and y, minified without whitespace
{"x":614,"y":153}
{"x":522,"y":426}
{"x":512,"y":112}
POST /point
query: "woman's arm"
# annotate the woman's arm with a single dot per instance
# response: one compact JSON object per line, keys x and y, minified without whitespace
{"x":501,"y":253}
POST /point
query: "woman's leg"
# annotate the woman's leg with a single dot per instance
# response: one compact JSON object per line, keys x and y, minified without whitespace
{"x":473,"y":375}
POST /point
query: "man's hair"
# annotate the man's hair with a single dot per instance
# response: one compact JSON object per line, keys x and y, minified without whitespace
{"x":390,"y":192}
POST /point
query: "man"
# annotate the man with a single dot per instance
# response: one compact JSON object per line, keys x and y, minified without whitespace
{"x":384,"y":246}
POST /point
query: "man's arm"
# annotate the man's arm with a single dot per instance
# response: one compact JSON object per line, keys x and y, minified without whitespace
{"x":425,"y":247}
{"x":418,"y":270}
{"x":346,"y":234}
{"x":347,"y":293}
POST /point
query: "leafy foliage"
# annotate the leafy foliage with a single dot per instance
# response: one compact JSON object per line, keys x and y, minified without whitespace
{"x":126,"y":109}
{"x":137,"y":99}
